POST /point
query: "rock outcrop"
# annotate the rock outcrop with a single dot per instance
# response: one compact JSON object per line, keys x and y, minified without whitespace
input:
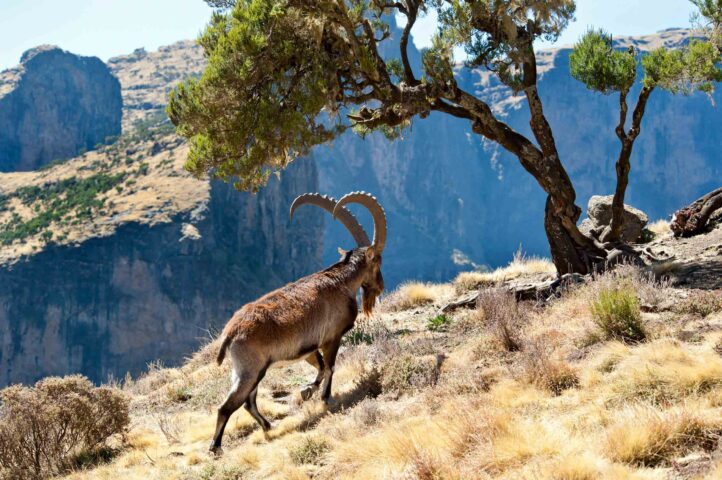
{"x":53,"y":106}
{"x":599,"y":210}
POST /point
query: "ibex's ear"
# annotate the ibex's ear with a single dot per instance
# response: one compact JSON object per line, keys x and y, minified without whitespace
{"x":341,"y":252}
{"x":370,"y":254}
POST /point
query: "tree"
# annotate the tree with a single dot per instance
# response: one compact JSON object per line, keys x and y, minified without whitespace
{"x":596,"y":63}
{"x":286,"y":75}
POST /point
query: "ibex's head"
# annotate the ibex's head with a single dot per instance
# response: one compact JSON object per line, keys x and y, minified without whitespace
{"x":367,"y":254}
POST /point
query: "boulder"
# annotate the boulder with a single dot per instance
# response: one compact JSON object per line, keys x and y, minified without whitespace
{"x":599,"y":210}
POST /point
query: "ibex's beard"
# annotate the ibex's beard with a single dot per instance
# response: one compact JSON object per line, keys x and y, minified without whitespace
{"x":368,"y":300}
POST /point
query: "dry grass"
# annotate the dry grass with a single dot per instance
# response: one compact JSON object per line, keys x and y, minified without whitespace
{"x":520,"y":266}
{"x":648,"y":437}
{"x":660,"y":228}
{"x":453,"y":403}
{"x":701,"y":303}
{"x":543,"y":370}
{"x":503,"y":317}
{"x":663,"y":371}
{"x":416,"y":294}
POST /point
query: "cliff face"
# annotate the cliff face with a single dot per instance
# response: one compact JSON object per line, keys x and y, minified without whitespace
{"x":118,"y":257}
{"x":112,"y":304}
{"x":53,"y":105}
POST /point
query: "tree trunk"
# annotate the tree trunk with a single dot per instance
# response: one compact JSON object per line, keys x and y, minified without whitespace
{"x":623,"y":166}
{"x":570,"y":254}
{"x":692,"y":220}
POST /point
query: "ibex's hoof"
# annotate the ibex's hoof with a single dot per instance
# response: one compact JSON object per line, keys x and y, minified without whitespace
{"x":307,"y":392}
{"x":215,"y":450}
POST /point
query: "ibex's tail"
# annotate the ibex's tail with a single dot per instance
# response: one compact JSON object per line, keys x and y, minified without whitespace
{"x":224,"y":346}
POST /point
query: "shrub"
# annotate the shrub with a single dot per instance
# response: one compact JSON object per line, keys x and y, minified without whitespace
{"x":544,"y":371}
{"x":616,"y":312}
{"x":366,"y":333}
{"x":57,"y":425}
{"x":502,"y":316}
{"x":438,"y":324}
{"x":406,"y":372}
{"x":309,"y":450}
{"x":701,"y":304}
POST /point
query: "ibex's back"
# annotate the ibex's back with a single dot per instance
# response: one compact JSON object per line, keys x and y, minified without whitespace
{"x":299,"y":318}
{"x":306,"y":318}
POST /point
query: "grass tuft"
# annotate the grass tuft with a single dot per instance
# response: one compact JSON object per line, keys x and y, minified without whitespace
{"x":616,"y":312}
{"x":309,"y":450}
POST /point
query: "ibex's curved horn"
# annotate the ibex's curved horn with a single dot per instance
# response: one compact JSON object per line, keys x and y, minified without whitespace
{"x":329,"y":204}
{"x":377,"y":212}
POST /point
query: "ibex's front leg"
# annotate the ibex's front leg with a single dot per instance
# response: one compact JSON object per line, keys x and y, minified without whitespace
{"x":329,"y":355}
{"x":316,"y":360}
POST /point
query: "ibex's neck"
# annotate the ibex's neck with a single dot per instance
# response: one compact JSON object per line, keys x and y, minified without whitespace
{"x":348,"y":271}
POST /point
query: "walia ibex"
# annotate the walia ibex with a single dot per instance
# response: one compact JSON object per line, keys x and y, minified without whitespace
{"x":305,"y":319}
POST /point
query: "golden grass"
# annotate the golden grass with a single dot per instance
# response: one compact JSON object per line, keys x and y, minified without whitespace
{"x":520,"y":266}
{"x":415,"y":294}
{"x":647,"y":436}
{"x":660,"y":228}
{"x":664,"y":371}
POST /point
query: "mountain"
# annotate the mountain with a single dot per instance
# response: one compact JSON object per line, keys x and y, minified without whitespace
{"x":53,"y":105}
{"x":118,"y":257}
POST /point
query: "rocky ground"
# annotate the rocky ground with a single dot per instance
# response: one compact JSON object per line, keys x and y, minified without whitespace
{"x":537,"y":389}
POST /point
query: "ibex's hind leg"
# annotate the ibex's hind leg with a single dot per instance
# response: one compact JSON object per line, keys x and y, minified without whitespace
{"x":316,"y":360}
{"x":252,"y":408}
{"x":241,"y":388}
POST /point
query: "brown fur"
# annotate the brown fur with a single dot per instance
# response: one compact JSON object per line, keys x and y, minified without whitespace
{"x":295,"y":322}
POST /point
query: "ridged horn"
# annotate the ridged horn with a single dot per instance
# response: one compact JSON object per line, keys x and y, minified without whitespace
{"x":377,"y":212}
{"x":344,"y":215}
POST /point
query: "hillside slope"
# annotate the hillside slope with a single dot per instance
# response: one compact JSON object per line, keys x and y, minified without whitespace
{"x":538,"y":390}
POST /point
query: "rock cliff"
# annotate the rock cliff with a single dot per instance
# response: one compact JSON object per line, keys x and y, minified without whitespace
{"x":53,"y":105}
{"x":118,"y":257}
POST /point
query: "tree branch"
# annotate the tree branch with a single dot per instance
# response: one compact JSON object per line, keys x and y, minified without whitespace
{"x":411,"y":15}
{"x":623,"y":109}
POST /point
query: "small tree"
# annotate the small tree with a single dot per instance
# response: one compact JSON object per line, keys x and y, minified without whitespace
{"x":286,"y":75}
{"x":596,"y":63}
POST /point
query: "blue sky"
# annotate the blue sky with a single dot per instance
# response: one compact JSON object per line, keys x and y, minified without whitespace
{"x":106,"y":28}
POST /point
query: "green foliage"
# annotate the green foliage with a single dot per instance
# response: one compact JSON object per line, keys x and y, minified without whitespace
{"x":153,"y":126}
{"x":438,"y":324}
{"x":515,"y":26}
{"x":685,"y":70}
{"x":616,"y":312}
{"x":280,"y":71}
{"x":58,"y":200}
{"x":599,"y":66}
{"x":258,"y":103}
